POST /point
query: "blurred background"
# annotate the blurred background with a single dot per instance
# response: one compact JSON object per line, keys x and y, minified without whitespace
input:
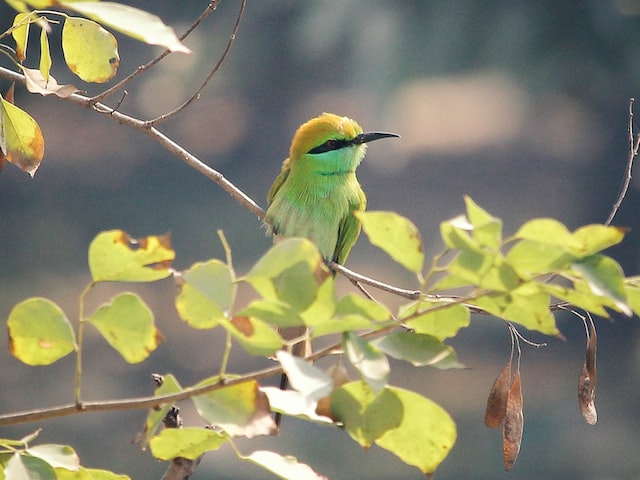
{"x":521,"y":105}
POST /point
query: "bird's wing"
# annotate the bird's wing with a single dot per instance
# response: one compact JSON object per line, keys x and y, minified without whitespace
{"x":349,"y":230}
{"x":284,"y":173}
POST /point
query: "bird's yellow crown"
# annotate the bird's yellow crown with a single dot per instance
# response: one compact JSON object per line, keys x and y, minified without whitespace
{"x":320,"y":129}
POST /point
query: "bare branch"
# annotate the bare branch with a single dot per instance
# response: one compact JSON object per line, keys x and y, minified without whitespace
{"x":634,"y":145}
{"x":213,"y":71}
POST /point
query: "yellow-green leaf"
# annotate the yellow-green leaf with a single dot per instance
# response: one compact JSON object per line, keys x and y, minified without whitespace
{"x":408,"y":425}
{"x":529,"y":306}
{"x":156,"y":415}
{"x":545,"y":230}
{"x":28,"y":468}
{"x":45,"y":55}
{"x":441,"y":323}
{"x":131,"y":21}
{"x":116,"y":257}
{"x":396,"y":235}
{"x":255,"y":336}
{"x":419,"y":350}
{"x":372,"y":364}
{"x":531,"y":258}
{"x":592,"y":239}
{"x":285,"y":467}
{"x":291,"y":271}
{"x":21,"y":139}
{"x":127,"y":324}
{"x":605,"y":277}
{"x":39,"y":332}
{"x":20,"y":34}
{"x":90,"y":51}
{"x":88,"y":474}
{"x":487,"y":229}
{"x":207,"y":291}
{"x":188,"y":442}
{"x":58,"y":456}
{"x":240,"y":410}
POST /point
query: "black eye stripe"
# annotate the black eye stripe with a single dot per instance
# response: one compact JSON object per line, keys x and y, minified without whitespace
{"x":331,"y":144}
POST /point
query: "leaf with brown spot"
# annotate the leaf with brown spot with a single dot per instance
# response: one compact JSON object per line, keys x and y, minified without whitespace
{"x":497,"y":401}
{"x":587,"y":380}
{"x":243,"y":324}
{"x":21,"y":140}
{"x":513,"y":424}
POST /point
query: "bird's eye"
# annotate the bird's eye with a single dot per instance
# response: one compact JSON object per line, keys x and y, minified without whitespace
{"x":331,"y":144}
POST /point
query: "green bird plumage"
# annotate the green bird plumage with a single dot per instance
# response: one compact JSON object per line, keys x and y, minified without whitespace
{"x":317,"y":191}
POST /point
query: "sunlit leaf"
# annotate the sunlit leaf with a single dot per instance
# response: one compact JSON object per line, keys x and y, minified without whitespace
{"x":592,"y":239}
{"x":274,"y":312}
{"x":408,"y":425}
{"x":45,"y":56}
{"x":88,"y":474}
{"x":28,"y":468}
{"x":127,"y":324}
{"x":255,"y":336}
{"x":20,"y":34}
{"x":633,"y":294}
{"x":39,"y":332}
{"x":293,"y":403}
{"x":58,"y":456}
{"x":605,"y":277}
{"x":531,"y":258}
{"x":456,"y":234}
{"x":396,"y":235}
{"x":116,"y":257}
{"x":513,"y":423}
{"x":584,"y":299}
{"x":310,"y":381}
{"x":240,"y":410}
{"x":484,"y":269}
{"x":286,"y":467}
{"x":497,"y":401}
{"x":291,"y":271}
{"x":21,"y":139}
{"x":441,"y":323}
{"x":188,"y":442}
{"x":206,"y":293}
{"x":372,"y":364}
{"x":545,"y":230}
{"x":131,"y":21}
{"x":529,"y":306}
{"x":90,"y":51}
{"x":587,"y":379}
{"x":419,"y":350}
{"x":487,"y":229}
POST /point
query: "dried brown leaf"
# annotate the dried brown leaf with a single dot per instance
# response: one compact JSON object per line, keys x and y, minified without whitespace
{"x":497,"y":401}
{"x":513,"y":424}
{"x":587,"y":380}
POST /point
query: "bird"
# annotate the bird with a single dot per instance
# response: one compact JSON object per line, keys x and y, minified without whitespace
{"x":317,"y":192}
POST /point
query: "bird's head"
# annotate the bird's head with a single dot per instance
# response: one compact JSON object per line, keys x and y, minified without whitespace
{"x":331,"y":144}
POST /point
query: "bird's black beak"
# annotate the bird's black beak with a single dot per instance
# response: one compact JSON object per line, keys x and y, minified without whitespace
{"x":371,"y":136}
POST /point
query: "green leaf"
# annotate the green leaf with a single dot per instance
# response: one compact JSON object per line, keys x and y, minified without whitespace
{"x":291,"y":271}
{"x":419,"y":350}
{"x":240,"y":410}
{"x":368,"y":360}
{"x":352,"y":304}
{"x":89,"y":50}
{"x":485,"y":270}
{"x":188,"y":442}
{"x":487,"y":229}
{"x":25,"y":467}
{"x":20,"y":34}
{"x":58,"y":456}
{"x":592,"y":239}
{"x":605,"y":277}
{"x":255,"y":336}
{"x":633,"y":295}
{"x":116,"y":257}
{"x":45,"y":56}
{"x":310,"y":381}
{"x":21,"y":139}
{"x":286,"y":467}
{"x":88,"y":474}
{"x":156,"y":416}
{"x":529,"y":306}
{"x":353,"y":312}
{"x":39,"y":332}
{"x":127,"y":324}
{"x":207,"y":291}
{"x":530,"y":258}
{"x":273,"y":312}
{"x":131,"y":21}
{"x":408,"y":425}
{"x":442,"y":323}
{"x":547,"y":231}
{"x":583,"y":298}
{"x":455,"y":234}
{"x":396,"y":235}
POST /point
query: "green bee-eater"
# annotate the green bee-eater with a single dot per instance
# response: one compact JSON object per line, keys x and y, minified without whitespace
{"x":317,"y":191}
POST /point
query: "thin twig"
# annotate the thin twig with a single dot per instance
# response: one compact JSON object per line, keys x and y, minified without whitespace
{"x":142,"y":68}
{"x":385,"y":287}
{"x":213,"y":71}
{"x":634,"y":145}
